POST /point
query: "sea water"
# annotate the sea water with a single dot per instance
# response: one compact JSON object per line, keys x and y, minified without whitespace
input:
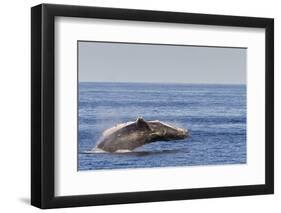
{"x":215,"y":116}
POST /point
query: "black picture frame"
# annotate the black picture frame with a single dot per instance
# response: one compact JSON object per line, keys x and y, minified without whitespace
{"x":43,"y":101}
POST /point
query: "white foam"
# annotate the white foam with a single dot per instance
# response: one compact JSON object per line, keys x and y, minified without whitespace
{"x":123,"y":151}
{"x":95,"y":150}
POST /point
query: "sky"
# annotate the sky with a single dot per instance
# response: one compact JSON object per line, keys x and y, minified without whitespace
{"x":129,"y":62}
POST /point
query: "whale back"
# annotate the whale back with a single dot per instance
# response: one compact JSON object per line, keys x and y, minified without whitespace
{"x":126,"y":136}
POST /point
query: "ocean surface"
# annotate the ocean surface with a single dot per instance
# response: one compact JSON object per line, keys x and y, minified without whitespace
{"x":215,"y":116}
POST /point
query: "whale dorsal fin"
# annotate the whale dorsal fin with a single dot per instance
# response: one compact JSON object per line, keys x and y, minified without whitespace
{"x":142,"y":124}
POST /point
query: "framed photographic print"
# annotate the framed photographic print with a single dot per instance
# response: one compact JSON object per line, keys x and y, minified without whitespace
{"x":139,"y":106}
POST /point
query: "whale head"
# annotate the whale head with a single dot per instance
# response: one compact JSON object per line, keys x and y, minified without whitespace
{"x":163,"y":131}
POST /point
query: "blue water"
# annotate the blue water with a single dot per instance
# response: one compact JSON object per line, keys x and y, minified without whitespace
{"x":215,"y":115}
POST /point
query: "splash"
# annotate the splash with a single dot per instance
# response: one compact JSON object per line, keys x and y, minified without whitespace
{"x":123,"y":151}
{"x":95,"y":150}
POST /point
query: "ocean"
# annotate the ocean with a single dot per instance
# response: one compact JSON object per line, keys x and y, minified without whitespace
{"x":215,"y":116}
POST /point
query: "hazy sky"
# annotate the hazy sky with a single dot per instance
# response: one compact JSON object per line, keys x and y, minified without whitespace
{"x":123,"y":62}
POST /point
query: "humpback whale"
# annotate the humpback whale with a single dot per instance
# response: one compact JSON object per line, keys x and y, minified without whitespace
{"x":130,"y":135}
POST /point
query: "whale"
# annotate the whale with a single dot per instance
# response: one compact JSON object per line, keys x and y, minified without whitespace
{"x":133,"y":134}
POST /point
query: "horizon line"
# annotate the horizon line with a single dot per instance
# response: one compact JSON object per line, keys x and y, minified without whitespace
{"x":140,"y":82}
